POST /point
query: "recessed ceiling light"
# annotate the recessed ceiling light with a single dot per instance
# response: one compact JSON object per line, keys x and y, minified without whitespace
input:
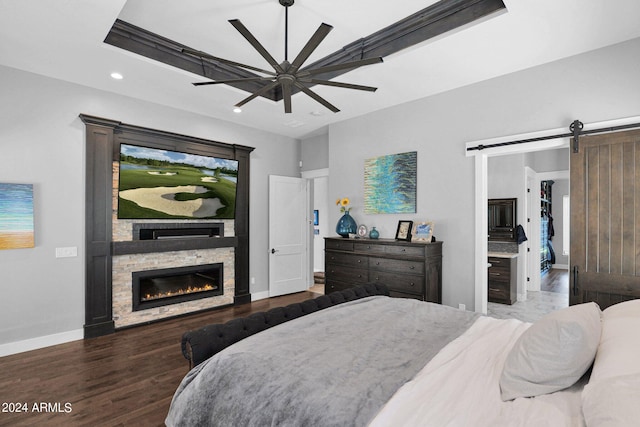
{"x":237,"y":110}
{"x":117,"y":76}
{"x":293,"y":123}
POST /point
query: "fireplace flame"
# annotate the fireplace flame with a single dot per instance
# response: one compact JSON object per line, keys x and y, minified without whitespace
{"x":185,"y":291}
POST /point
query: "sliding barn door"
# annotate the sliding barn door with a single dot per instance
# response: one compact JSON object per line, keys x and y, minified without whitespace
{"x":605,"y":219}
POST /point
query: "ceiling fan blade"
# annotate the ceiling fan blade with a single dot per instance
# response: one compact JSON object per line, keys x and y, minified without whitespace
{"x":225,"y":61}
{"x":311,"y":45}
{"x":257,"y":93}
{"x":317,"y":97}
{"x":344,"y":85}
{"x":337,"y":67}
{"x":248,"y":79}
{"x":256,"y":44}
{"x":286,"y":96}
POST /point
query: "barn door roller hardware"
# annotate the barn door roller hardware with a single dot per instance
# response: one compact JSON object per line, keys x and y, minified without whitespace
{"x":576,"y":128}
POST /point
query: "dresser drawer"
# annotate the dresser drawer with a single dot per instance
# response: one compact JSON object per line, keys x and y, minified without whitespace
{"x":410,"y":251}
{"x":499,"y":292}
{"x":346,"y":275}
{"x":397,"y":265}
{"x":368,"y":248}
{"x":395,"y":294}
{"x":498,"y":274}
{"x":340,"y":245}
{"x":336,"y":286}
{"x":500,"y":263}
{"x":348,"y":260}
{"x":399,"y":282}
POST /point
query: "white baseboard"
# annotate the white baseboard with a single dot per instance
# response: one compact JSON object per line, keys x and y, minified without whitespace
{"x":260,"y":295}
{"x":40,"y":342}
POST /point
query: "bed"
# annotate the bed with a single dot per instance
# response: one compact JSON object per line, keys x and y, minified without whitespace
{"x":381,"y":361}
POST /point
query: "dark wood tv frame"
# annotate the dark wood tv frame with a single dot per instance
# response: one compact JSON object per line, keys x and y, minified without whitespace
{"x":103,"y":139}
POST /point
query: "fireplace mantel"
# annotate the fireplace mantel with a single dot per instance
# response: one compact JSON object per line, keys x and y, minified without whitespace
{"x":103,"y":139}
{"x":151,"y":246}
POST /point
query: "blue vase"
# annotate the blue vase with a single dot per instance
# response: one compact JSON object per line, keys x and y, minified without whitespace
{"x":346,"y":224}
{"x":373,"y":234}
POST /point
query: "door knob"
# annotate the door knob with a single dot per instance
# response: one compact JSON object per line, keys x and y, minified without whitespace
{"x":273,"y":250}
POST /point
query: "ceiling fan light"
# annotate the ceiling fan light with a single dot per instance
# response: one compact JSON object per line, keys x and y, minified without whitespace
{"x":116,"y":76}
{"x":237,"y":110}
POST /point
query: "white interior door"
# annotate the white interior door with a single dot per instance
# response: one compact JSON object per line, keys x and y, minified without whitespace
{"x":290,"y":227}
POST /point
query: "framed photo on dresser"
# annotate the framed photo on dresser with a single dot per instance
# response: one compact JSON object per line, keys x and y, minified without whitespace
{"x":423,"y":231}
{"x":404,"y":230}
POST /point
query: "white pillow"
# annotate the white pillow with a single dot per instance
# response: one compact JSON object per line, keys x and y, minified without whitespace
{"x":612,"y":397}
{"x":612,"y":402}
{"x":553,"y":353}
{"x":619,"y":350}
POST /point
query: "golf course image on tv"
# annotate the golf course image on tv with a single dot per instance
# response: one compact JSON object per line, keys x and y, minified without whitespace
{"x":163,"y":184}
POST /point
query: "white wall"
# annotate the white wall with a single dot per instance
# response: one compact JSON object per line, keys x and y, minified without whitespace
{"x":315,"y":152}
{"x":596,"y":86}
{"x":315,"y":161}
{"x":42,"y":142}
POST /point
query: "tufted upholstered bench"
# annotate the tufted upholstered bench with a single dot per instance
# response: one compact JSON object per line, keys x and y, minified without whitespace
{"x":200,"y":344}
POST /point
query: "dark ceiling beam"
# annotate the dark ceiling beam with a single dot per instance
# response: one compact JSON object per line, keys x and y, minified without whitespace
{"x":142,"y":42}
{"x":433,"y":21}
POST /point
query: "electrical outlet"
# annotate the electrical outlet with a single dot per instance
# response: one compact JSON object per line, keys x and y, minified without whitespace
{"x":68,"y":252}
{"x":462,"y":306}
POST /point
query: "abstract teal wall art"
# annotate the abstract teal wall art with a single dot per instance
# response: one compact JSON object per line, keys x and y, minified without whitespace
{"x":16,"y":216}
{"x":390,"y":183}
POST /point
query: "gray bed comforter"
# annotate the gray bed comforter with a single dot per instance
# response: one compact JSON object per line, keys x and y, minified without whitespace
{"x":334,"y":367}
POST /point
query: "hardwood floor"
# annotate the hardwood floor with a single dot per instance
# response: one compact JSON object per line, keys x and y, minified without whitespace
{"x":124,"y":379}
{"x":556,"y":280}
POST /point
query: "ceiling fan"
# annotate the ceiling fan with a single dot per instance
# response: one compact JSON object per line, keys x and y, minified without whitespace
{"x":287,"y":74}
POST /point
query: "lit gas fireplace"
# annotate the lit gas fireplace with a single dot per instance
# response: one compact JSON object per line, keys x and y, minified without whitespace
{"x":154,"y":288}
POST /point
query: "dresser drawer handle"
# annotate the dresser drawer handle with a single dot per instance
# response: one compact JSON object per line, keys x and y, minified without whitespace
{"x":377,"y":262}
{"x":495,"y":289}
{"x":413,"y":267}
{"x":404,"y":250}
{"x":495,"y":274}
{"x":359,"y":261}
{"x":412,"y":284}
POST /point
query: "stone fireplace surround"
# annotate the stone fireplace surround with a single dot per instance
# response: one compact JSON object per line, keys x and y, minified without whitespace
{"x":113,"y":252}
{"x":124,"y":265}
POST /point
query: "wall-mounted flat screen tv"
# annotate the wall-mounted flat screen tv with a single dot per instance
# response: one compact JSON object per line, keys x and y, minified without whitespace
{"x":163,"y":184}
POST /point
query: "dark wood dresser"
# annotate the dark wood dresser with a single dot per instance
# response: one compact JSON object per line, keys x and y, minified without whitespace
{"x":502,"y":280}
{"x":410,"y":270}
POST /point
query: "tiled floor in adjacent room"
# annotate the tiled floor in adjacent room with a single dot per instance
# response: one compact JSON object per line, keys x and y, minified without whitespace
{"x":553,"y":296}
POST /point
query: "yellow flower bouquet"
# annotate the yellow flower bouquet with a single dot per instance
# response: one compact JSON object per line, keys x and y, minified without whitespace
{"x":344,"y":204}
